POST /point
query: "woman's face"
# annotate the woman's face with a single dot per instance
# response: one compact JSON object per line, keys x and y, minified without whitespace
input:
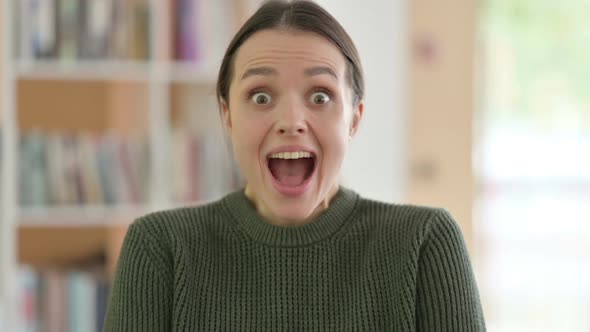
{"x":290,"y":117}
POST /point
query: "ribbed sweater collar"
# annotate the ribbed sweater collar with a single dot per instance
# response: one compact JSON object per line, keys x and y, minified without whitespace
{"x":327,"y":223}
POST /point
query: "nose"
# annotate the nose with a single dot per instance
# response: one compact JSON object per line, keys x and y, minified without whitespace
{"x":291,"y":119}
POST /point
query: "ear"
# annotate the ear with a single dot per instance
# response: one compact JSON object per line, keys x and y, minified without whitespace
{"x":357,"y":116}
{"x":226,"y":116}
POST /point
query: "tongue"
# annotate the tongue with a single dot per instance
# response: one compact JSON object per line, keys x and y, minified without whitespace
{"x":290,"y":172}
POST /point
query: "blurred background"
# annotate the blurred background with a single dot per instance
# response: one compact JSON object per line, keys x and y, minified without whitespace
{"x":107,"y":112}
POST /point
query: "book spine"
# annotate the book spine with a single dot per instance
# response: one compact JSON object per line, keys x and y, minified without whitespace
{"x":194,"y":167}
{"x":81,"y":301}
{"x":62,"y":300}
{"x":96,"y":21}
{"x":69,"y":25}
{"x":81,"y":170}
{"x":54,"y":302}
{"x":108,"y":175}
{"x":186,"y":14}
{"x":102,"y":294}
{"x":28,"y":283}
{"x":89,"y":170}
{"x":43,"y":31}
{"x":119,"y":40}
{"x":141,"y":31}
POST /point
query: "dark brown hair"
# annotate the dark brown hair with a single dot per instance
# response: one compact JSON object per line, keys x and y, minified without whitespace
{"x":297,"y":15}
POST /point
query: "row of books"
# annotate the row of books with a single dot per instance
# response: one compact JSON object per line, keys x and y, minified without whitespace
{"x":201,"y":29}
{"x":112,"y":29}
{"x":202,"y":167}
{"x":62,"y":301}
{"x":83,"y":29}
{"x":71,"y":169}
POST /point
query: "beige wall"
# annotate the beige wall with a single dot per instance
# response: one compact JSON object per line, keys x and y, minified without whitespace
{"x":375,"y":165}
{"x":441,"y":103}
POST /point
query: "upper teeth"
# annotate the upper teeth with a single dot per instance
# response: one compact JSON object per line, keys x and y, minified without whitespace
{"x":291,"y":155}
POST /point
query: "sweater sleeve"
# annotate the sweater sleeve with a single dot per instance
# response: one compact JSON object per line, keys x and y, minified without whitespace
{"x":447,"y":298}
{"x":140,"y":299}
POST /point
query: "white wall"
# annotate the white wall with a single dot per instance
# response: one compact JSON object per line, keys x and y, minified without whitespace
{"x":376,"y":164}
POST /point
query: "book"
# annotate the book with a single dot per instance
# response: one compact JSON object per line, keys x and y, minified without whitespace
{"x":64,"y":300}
{"x":180,"y":166}
{"x":187,"y":38}
{"x":120,"y":33}
{"x":107,"y":173}
{"x":69,"y":23}
{"x":71,"y":169}
{"x":28,"y":281}
{"x":33,"y":160}
{"x":82,"y":302}
{"x":203,"y":29}
{"x":82,"y":169}
{"x":130,"y":177}
{"x":44,"y":27}
{"x":102,"y":295}
{"x":57,"y":182}
{"x":140,"y":30}
{"x":96,"y":19}
{"x":69,"y":30}
{"x":90,"y":176}
{"x":54,"y":302}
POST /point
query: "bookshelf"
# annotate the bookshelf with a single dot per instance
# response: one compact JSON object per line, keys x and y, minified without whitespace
{"x":107,"y":113}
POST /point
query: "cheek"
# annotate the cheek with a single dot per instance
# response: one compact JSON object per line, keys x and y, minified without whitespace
{"x":247,"y":136}
{"x":333,"y":138}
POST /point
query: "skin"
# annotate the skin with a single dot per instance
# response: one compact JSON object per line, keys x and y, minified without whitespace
{"x":290,"y":88}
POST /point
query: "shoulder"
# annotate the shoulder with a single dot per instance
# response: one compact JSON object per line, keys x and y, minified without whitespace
{"x":183,"y":223}
{"x":414,"y":222}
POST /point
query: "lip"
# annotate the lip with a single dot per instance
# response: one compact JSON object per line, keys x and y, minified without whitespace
{"x":292,"y":191}
{"x":291,"y":148}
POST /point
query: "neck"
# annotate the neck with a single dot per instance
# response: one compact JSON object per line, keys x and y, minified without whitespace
{"x":273,"y":219}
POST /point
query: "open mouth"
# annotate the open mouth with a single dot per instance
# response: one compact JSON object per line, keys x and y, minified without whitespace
{"x":291,"y":169}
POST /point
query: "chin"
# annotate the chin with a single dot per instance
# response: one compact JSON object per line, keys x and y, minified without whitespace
{"x":280,"y":209}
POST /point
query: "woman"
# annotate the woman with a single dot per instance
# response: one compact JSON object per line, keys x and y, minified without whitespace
{"x":293,"y":250}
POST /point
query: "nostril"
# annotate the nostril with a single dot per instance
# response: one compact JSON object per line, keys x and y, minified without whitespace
{"x":291,"y":131}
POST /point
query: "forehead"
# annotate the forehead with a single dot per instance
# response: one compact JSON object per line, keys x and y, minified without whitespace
{"x":280,"y":47}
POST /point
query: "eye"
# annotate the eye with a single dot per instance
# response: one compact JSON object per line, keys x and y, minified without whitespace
{"x":261,"y":98}
{"x":320,"y":98}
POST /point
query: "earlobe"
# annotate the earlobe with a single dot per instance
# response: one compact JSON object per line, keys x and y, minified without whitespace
{"x":226,"y":116}
{"x":357,"y":115}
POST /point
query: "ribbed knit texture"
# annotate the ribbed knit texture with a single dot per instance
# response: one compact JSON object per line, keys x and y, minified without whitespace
{"x":361,"y":265}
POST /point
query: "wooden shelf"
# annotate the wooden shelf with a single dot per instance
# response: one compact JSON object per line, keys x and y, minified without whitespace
{"x":63,"y":247}
{"x":82,"y":106}
{"x":83,"y":70}
{"x":89,"y":216}
{"x":59,"y":246}
{"x":74,"y":216}
{"x":192,"y":73}
{"x":116,"y":71}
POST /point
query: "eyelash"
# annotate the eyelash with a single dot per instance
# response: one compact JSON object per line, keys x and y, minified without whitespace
{"x":324,"y":90}
{"x":254,"y":91}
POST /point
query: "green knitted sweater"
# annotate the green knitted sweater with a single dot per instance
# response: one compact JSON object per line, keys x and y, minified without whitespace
{"x":361,"y":265}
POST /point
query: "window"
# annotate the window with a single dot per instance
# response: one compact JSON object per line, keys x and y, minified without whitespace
{"x":533,"y":163}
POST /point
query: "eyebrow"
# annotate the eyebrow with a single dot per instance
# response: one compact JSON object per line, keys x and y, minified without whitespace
{"x":264,"y":71}
{"x":320,"y":70}
{"x":269,"y":71}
